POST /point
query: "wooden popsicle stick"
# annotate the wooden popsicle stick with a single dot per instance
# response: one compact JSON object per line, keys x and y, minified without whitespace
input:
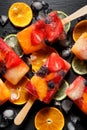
{"x":22,"y":114}
{"x":80,"y":12}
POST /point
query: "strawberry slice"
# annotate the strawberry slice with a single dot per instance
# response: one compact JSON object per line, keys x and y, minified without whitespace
{"x":12,"y":60}
{"x":8,"y":55}
{"x":37,"y":37}
{"x":55,"y":62}
{"x":38,"y":34}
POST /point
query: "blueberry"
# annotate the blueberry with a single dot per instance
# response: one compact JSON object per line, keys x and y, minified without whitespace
{"x":51,"y":84}
{"x":47,"y":42}
{"x":43,"y":71}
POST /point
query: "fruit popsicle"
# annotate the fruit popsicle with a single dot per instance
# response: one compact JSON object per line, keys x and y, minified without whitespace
{"x":44,"y":84}
{"x":77,"y":92}
{"x":80,"y":47}
{"x":12,"y":67}
{"x":45,"y":31}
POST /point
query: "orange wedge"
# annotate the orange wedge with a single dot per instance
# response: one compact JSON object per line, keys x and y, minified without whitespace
{"x":79,"y":29}
{"x":20,"y":14}
{"x":49,"y":118}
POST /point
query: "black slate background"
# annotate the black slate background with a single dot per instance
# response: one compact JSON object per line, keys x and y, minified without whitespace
{"x":68,"y":6}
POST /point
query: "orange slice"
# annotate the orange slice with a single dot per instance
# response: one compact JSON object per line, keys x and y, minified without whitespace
{"x":20,"y":14}
{"x":19,"y":94}
{"x":49,"y":118}
{"x":79,"y":28}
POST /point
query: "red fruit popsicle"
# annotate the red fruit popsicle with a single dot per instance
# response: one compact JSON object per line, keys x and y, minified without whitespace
{"x":77,"y":92}
{"x":11,"y":64}
{"x":44,"y":84}
{"x":33,"y":38}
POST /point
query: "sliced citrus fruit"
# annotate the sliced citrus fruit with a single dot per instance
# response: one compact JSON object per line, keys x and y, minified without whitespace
{"x":62,"y":15}
{"x":38,"y":58}
{"x":79,"y":28}
{"x":49,"y":118}
{"x":79,"y":66}
{"x":12,"y":41}
{"x":61,"y":93}
{"x":20,"y":14}
{"x":19,"y":95}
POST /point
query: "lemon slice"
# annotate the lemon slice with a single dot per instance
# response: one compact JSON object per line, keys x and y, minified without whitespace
{"x":61,"y":93}
{"x":79,"y":66}
{"x":62,"y":15}
{"x":12,"y":41}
